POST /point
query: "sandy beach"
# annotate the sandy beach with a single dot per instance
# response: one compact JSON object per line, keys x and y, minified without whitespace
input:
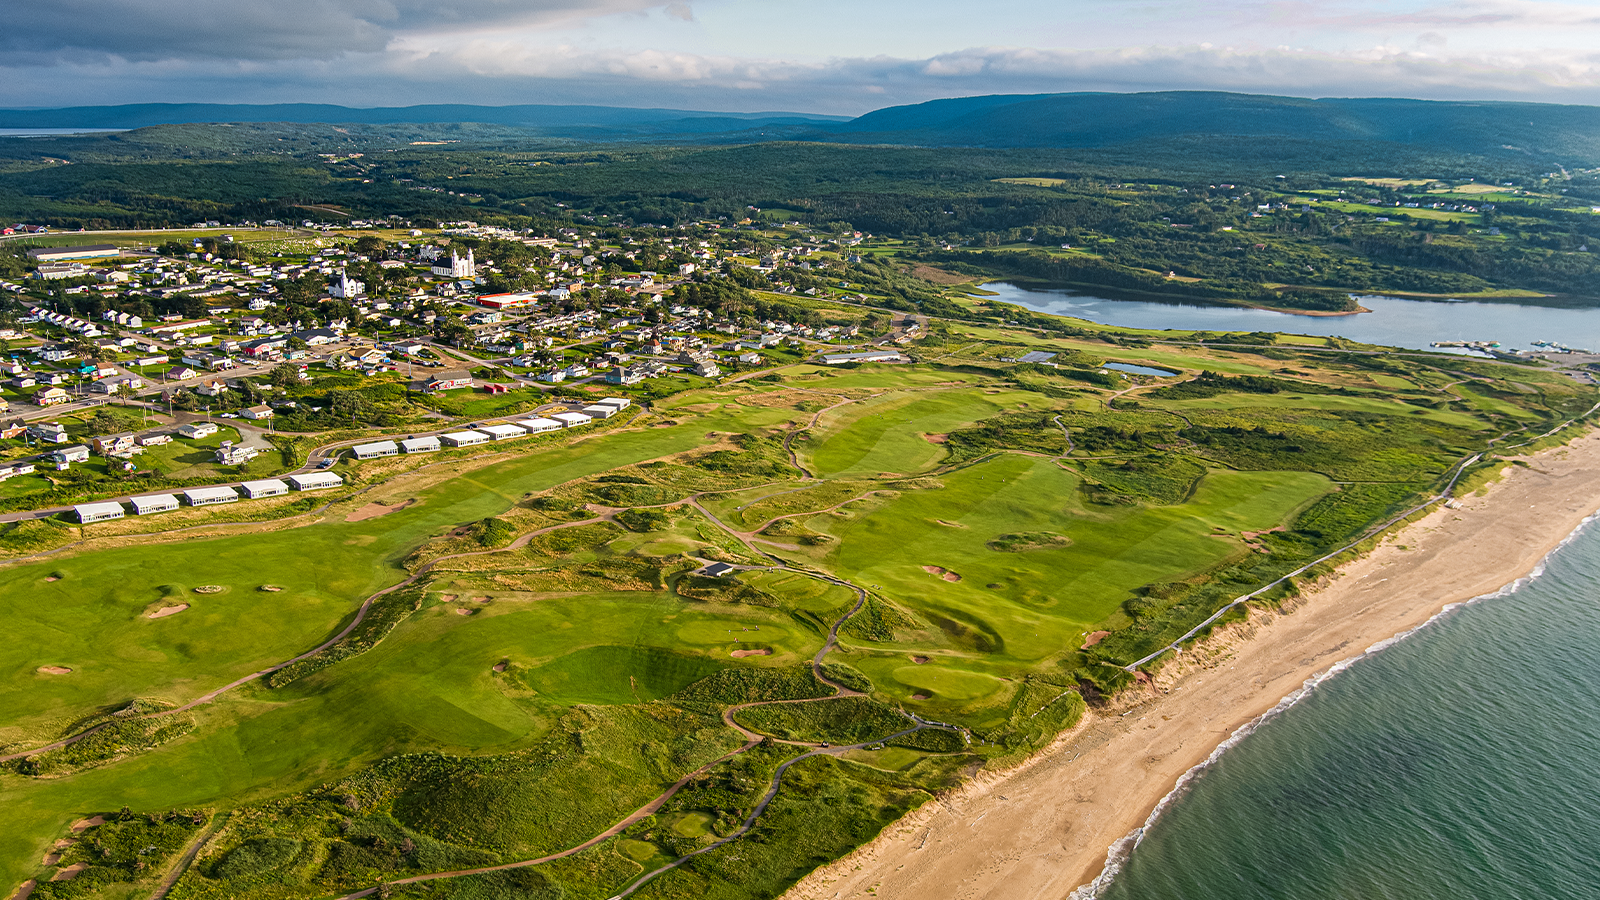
{"x":1043,"y":830}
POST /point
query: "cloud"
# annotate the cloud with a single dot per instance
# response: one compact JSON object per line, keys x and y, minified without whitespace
{"x":680,"y":11}
{"x":245,"y":30}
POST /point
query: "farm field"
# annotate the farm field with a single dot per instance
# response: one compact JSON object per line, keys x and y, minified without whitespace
{"x":926,"y":569}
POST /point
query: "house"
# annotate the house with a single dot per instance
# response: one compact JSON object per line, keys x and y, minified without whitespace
{"x":624,"y":375}
{"x":465,"y":438}
{"x":51,"y":396}
{"x":231,"y":454}
{"x":14,"y":430}
{"x":23,"y":381}
{"x":448,"y":380}
{"x":112,"y":385}
{"x":257,"y":413}
{"x":181,"y":373}
{"x":121,"y":442}
{"x":315,"y":481}
{"x":571,"y":419}
{"x":154,"y":440}
{"x":707,"y":369}
{"x":208,"y":496}
{"x":717,"y":570}
{"x":267,"y":487}
{"x":554,"y":376}
{"x":215,"y":387}
{"x":420,"y":445}
{"x":155,"y":503}
{"x":317,"y":337}
{"x":750,"y":359}
{"x":98,"y":512}
{"x":375,"y":450}
{"x":75,"y":453}
{"x":197,"y":430}
{"x":503,"y":432}
{"x":48,"y":432}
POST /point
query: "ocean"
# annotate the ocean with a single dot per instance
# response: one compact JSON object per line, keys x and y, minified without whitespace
{"x":1460,"y":761}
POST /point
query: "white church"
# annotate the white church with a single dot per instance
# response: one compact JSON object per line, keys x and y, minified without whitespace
{"x":459,"y":267}
{"x":347,"y":288}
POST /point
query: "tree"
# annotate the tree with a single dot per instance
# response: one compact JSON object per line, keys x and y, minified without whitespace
{"x":285,"y":375}
{"x":126,"y":392}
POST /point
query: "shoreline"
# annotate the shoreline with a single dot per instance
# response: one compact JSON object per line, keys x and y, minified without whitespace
{"x":1051,"y":826}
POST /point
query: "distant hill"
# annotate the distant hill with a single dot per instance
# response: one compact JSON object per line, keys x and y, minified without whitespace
{"x":1560,"y":134}
{"x":535,"y":116}
{"x":1237,"y":126}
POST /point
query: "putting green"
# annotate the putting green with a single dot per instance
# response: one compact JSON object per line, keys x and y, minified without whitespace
{"x":948,"y":684}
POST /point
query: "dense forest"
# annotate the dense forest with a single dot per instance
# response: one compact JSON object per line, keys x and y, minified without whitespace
{"x":1191,"y":218}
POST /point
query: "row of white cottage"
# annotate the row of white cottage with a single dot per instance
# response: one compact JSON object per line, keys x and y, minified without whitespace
{"x":273,"y":487}
{"x":483,"y":434}
{"x":207,"y":496}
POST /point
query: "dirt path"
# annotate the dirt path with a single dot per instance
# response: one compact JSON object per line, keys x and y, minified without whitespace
{"x":187,"y":859}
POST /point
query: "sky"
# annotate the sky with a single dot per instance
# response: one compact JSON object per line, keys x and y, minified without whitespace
{"x":840,"y":57}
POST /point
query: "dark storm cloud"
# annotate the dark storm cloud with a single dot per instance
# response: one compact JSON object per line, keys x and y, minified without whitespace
{"x":249,"y":30}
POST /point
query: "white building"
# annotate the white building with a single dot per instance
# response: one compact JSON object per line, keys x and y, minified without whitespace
{"x":465,"y":438}
{"x":196,"y":430}
{"x":155,"y":503}
{"x":572,"y":419}
{"x":599,"y":411}
{"x":98,"y":512}
{"x":315,"y":481}
{"x":617,"y":403}
{"x":210,"y":495}
{"x":347,"y":288}
{"x":267,"y":487}
{"x":539,"y":425}
{"x":420,"y":445}
{"x":375,"y":450}
{"x":504,"y":432}
{"x":458,"y":268}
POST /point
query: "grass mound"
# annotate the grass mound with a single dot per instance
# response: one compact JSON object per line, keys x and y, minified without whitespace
{"x":1023,"y":541}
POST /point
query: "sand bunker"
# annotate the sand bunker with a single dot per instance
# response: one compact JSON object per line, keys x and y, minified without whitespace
{"x":919,"y":660}
{"x":936,"y":438}
{"x":165,"y":611}
{"x":949,"y":524}
{"x":942,"y":572}
{"x":743,"y":653}
{"x":501,"y":666}
{"x":69,"y":873}
{"x":466,"y":612}
{"x":374,"y":510}
{"x":52,"y":578}
{"x":51,"y":857}
{"x":86,"y":824}
{"x":919,"y":696}
{"x":269,"y":588}
{"x":447,"y":597}
{"x":1095,"y":638}
{"x":53,"y":670}
{"x":209,"y":589}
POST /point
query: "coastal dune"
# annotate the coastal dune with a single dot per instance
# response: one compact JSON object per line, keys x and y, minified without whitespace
{"x":1042,"y":830}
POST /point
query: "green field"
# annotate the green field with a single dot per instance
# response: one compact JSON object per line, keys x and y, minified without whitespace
{"x":523,"y":696}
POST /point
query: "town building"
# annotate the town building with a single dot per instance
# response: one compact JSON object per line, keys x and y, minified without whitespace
{"x":268,"y":487}
{"x":375,"y":450}
{"x":155,"y":503}
{"x":315,"y":481}
{"x":98,"y":512}
{"x":428,"y":444}
{"x":210,"y":496}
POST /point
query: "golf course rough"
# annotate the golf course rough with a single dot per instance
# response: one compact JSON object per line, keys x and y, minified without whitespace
{"x":543,"y":655}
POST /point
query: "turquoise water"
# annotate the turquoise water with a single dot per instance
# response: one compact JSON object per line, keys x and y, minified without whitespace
{"x":1460,"y":762}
